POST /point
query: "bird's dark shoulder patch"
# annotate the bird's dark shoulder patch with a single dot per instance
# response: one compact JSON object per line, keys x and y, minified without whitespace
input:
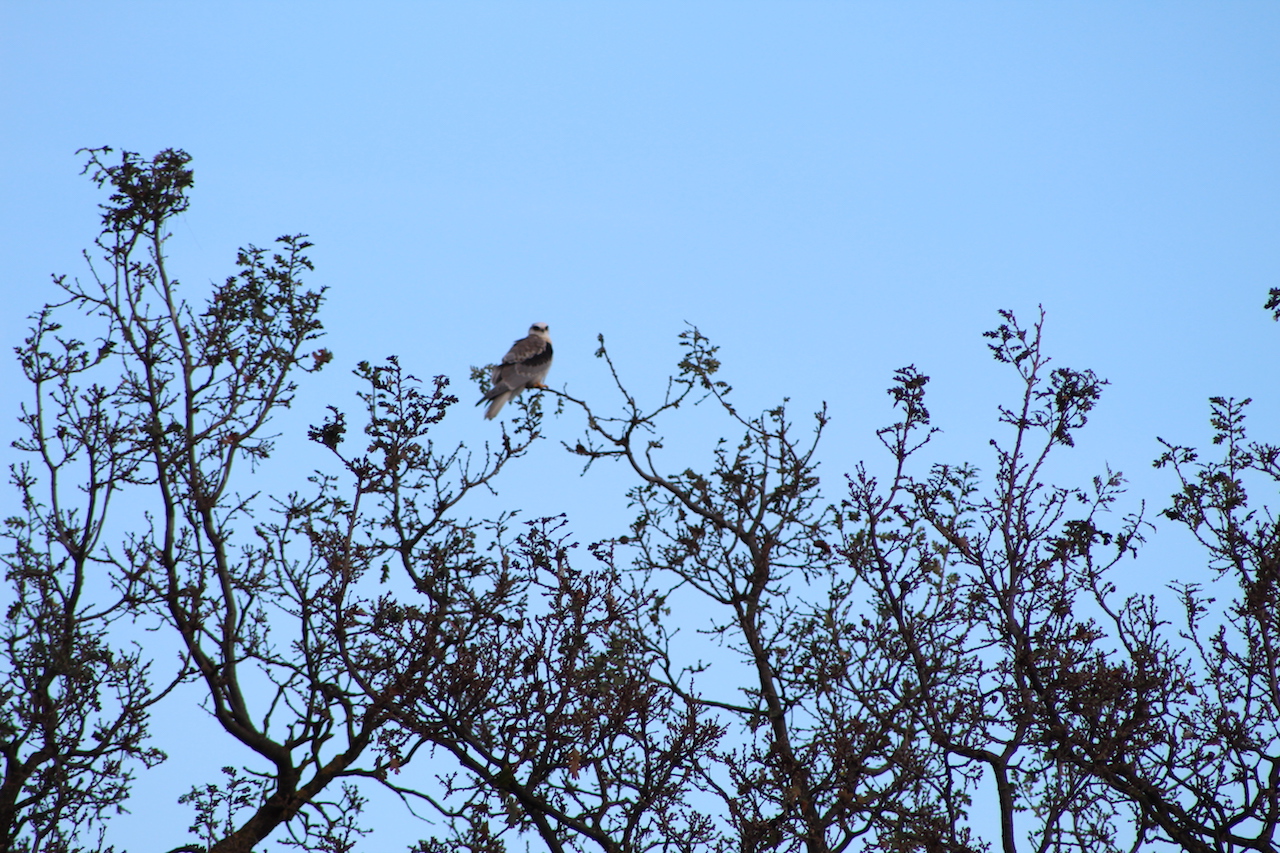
{"x":541,"y":357}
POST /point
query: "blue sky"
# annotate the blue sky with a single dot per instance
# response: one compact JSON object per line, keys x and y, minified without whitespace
{"x":828,"y":190}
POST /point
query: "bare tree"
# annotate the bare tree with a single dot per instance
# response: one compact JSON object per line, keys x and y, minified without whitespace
{"x":824,"y":751}
{"x":936,"y":636}
{"x":338,"y":631}
{"x":515,"y":664}
{"x":753,"y":664}
{"x":175,"y":400}
{"x":998,"y":597}
{"x":73,"y":704}
{"x":1214,"y":781}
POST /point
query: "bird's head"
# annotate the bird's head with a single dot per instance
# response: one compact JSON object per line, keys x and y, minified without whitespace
{"x":542,"y":330}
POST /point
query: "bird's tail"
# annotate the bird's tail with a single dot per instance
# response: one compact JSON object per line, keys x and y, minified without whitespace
{"x":496,"y":406}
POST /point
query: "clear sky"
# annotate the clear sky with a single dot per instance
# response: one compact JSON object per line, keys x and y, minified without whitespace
{"x":828,"y":190}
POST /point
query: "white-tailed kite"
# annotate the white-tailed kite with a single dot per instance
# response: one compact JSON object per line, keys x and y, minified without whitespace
{"x":524,"y":366}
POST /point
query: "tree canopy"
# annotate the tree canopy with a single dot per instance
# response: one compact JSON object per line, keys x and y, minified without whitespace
{"x":901,"y":650}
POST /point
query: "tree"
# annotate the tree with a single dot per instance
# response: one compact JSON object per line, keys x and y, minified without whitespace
{"x":890,"y":669}
{"x":960,"y":634}
{"x":825,"y":754}
{"x":753,"y":664}
{"x":327,"y":683}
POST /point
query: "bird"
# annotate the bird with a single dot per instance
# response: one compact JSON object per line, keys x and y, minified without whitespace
{"x":524,"y":366}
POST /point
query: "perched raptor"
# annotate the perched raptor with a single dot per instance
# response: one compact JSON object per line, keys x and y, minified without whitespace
{"x":524,"y":366}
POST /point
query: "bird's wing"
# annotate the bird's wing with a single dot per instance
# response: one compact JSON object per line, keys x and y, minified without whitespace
{"x":531,"y":350}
